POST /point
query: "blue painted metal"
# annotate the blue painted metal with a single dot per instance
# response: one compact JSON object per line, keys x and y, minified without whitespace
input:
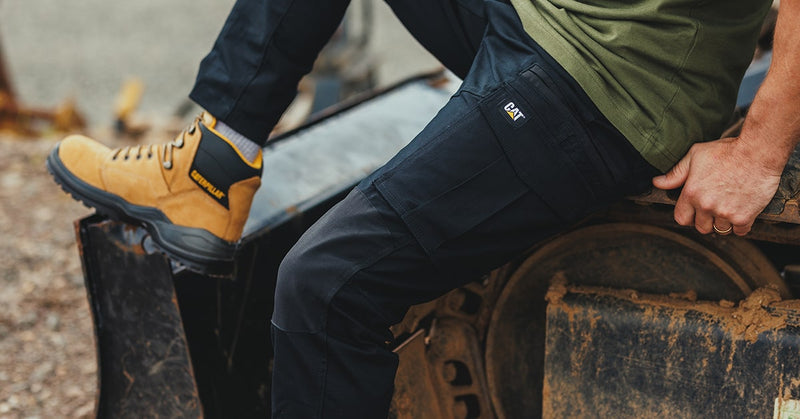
{"x":752,"y":80}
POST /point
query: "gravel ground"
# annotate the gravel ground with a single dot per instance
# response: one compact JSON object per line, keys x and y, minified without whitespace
{"x":47,"y":361}
{"x":85,"y":49}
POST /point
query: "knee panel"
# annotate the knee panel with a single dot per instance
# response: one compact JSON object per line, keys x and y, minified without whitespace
{"x":300,"y":294}
{"x":348,"y":238}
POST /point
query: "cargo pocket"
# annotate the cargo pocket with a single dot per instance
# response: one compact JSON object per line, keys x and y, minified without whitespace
{"x":605,"y":158}
{"x":547,"y":146}
{"x":450,"y":181}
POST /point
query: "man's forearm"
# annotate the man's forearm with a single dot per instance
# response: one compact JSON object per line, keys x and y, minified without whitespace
{"x":772,"y":126}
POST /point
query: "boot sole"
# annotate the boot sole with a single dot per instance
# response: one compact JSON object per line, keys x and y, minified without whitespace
{"x":197,"y":249}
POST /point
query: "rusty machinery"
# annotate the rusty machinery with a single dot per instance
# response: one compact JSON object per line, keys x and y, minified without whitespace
{"x":27,"y":121}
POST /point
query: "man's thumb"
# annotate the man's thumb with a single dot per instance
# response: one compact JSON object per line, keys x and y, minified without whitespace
{"x":675,"y":177}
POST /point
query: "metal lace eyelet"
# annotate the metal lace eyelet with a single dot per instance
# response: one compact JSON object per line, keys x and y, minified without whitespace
{"x":192,"y":129}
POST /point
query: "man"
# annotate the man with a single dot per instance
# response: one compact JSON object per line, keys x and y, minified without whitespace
{"x":566,"y":107}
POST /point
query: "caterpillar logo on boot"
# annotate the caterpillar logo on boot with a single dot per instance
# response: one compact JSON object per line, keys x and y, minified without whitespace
{"x":206,"y":185}
{"x":163,"y":187}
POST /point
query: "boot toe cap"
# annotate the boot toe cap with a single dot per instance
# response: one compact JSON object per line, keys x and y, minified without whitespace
{"x":83,"y":157}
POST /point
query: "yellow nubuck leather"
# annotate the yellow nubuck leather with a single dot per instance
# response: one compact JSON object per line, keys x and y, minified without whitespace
{"x":158,"y":176}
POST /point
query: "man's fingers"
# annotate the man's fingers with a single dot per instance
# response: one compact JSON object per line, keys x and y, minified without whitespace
{"x":703,"y":222}
{"x":742,"y":230}
{"x":676,"y":177}
{"x":684,"y":212}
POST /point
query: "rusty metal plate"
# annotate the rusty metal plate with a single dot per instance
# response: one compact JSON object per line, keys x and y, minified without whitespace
{"x":441,"y":375}
{"x":644,"y":258}
{"x":609,"y":355}
{"x":414,"y":389}
{"x":144,"y":365}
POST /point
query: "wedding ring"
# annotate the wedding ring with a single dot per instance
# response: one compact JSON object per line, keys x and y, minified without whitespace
{"x":722,"y":232}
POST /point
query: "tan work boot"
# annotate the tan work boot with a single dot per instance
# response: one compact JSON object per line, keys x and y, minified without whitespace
{"x":192,"y":195}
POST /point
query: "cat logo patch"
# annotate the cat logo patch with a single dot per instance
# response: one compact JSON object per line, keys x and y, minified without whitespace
{"x":512,"y":113}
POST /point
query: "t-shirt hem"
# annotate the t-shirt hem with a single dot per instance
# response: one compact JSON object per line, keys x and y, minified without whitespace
{"x":652,"y":151}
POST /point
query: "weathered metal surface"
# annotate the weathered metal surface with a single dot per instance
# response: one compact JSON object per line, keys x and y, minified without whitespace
{"x":144,"y":366}
{"x":441,"y":374}
{"x":639,"y":257}
{"x":444,"y":366}
{"x":413,"y":382}
{"x":427,"y":331}
{"x":336,"y":151}
{"x":609,"y":355}
{"x":661,"y":215}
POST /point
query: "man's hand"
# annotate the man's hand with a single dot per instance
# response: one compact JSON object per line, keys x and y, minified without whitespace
{"x":728,"y":182}
{"x":725,"y":184}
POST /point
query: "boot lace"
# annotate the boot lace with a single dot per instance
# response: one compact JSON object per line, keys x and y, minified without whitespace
{"x":164,"y":150}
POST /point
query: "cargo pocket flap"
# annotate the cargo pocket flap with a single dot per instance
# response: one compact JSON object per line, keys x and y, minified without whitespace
{"x":531,"y":143}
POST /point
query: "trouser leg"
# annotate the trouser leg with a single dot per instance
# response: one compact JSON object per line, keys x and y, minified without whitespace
{"x":517,"y":155}
{"x":265,"y":47}
{"x":331,"y":354}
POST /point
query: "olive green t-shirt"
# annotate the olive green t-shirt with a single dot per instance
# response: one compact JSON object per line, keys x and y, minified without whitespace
{"x":664,"y":72}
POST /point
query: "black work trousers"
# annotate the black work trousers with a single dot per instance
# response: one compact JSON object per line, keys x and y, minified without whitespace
{"x":518,"y":154}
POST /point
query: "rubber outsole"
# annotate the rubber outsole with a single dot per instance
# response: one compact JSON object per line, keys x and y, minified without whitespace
{"x":197,"y":249}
